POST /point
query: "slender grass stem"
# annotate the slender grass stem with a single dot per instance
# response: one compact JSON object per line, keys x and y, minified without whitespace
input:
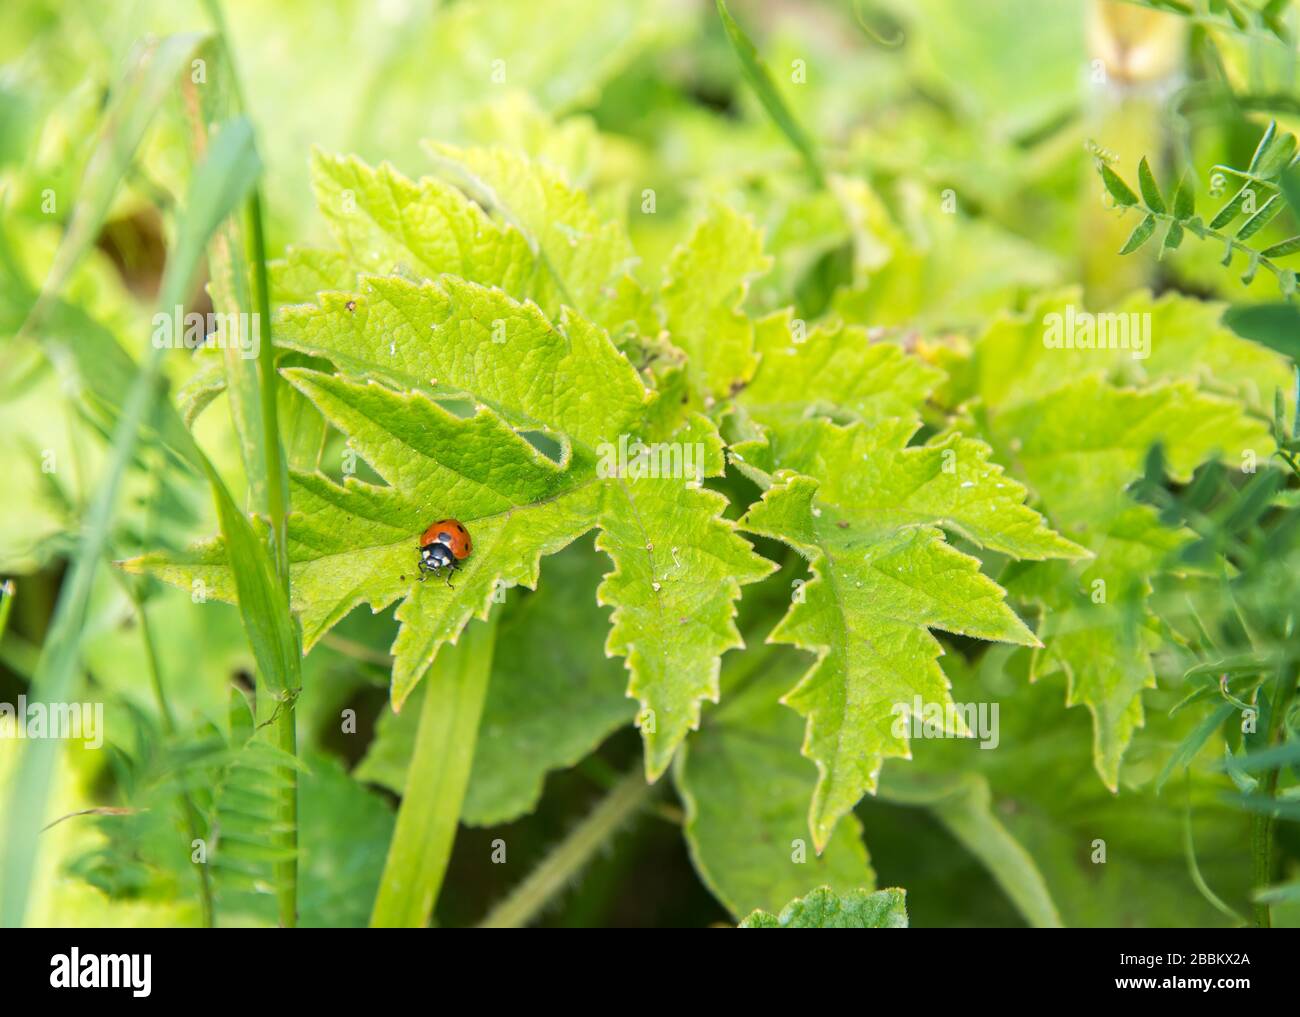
{"x":58,"y":666}
{"x":1194,"y":869}
{"x":277,"y":496}
{"x":277,"y":507}
{"x":558,"y":869}
{"x":1261,"y":835}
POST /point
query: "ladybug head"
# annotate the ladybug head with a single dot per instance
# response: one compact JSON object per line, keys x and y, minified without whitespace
{"x":436,"y":555}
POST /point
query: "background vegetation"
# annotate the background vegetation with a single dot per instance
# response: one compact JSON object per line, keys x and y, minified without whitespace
{"x":820,"y":241}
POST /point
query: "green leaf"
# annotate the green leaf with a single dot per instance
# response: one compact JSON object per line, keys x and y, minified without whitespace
{"x":1276,"y":326}
{"x":678,"y":564}
{"x":1185,"y":199}
{"x":963,"y":803}
{"x":943,"y":271}
{"x":746,"y":789}
{"x":1230,"y":211}
{"x":833,"y":368}
{"x":824,"y":909}
{"x":1290,"y":184}
{"x":751,"y":65}
{"x":706,"y":283}
{"x":7,"y":591}
{"x":1173,"y":237}
{"x":1120,"y":191}
{"x":439,"y":465}
{"x":1186,"y":751}
{"x":550,"y":700}
{"x":1188,"y":341}
{"x":1140,"y":235}
{"x":456,"y":338}
{"x":1261,"y":149}
{"x":1150,"y":189}
{"x":384,"y":223}
{"x":1260,"y":219}
{"x":1078,"y":435}
{"x":585,"y":260}
{"x":869,"y":524}
{"x":1274,"y":153}
{"x":1285,"y":247}
{"x":678,"y":569}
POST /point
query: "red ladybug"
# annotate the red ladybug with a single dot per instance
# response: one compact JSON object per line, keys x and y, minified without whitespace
{"x":442,"y":545}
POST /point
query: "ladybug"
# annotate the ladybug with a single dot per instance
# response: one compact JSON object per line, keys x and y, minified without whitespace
{"x":441,"y":546}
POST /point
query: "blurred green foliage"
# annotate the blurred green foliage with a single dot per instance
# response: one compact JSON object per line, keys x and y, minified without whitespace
{"x":961,"y":201}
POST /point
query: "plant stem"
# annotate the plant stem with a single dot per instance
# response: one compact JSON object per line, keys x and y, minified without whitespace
{"x":277,"y":497}
{"x":571,"y":855}
{"x":754,"y":72}
{"x":1261,"y":834}
{"x":286,"y":881}
{"x":1202,"y":231}
{"x":277,"y":494}
{"x":277,"y":505}
{"x":454,"y":691}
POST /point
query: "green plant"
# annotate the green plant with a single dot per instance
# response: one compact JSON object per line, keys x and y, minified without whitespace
{"x":809,"y":491}
{"x":1256,"y":202}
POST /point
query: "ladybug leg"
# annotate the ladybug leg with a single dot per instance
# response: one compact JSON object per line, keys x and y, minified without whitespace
{"x":450,"y":569}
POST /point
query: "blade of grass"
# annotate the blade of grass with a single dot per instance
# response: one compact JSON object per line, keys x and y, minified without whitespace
{"x":1191,"y":745}
{"x":271,"y":490}
{"x":1193,"y":869}
{"x":218,"y":185}
{"x":760,"y":81}
{"x":558,"y":869}
{"x":1263,"y":823}
{"x":962,"y":804}
{"x":230,"y":287}
{"x":7,"y":591}
{"x":455,"y":688}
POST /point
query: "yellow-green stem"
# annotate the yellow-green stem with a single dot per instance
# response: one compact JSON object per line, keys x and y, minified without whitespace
{"x":436,"y":779}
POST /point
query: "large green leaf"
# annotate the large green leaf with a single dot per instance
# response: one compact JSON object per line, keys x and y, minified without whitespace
{"x":707,"y":280}
{"x":883,"y":577}
{"x":584,"y":258}
{"x":552,"y":697}
{"x":746,"y":791}
{"x":825,"y":909}
{"x":1077,"y":437}
{"x":678,"y":565}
